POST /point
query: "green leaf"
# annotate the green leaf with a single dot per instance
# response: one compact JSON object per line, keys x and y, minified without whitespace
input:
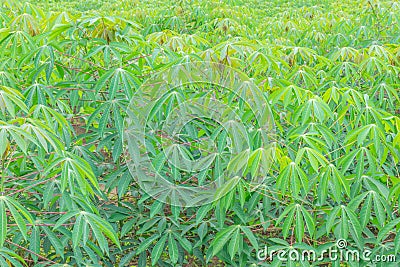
{"x":172,"y":249}
{"x":390,"y":226}
{"x":226,"y":188}
{"x":234,"y":243}
{"x":19,"y":220}
{"x":355,"y":223}
{"x":55,"y":241}
{"x":158,"y":250}
{"x":299,"y":226}
{"x":222,"y":238}
{"x":331,"y":219}
{"x":77,"y":232}
{"x":202,"y":212}
{"x":249,"y":234}
{"x":145,"y":244}
{"x":310,"y":222}
{"x":184,"y":243}
{"x":65,"y":218}
{"x":3,"y":223}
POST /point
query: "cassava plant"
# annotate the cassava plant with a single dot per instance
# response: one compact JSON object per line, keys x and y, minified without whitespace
{"x":295,"y":124}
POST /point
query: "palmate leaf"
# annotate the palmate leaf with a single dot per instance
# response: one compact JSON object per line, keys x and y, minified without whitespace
{"x":110,"y":51}
{"x":290,"y":94}
{"x":43,"y":134}
{"x":359,"y":135}
{"x":233,"y":234}
{"x":314,"y":108}
{"x":294,"y":177}
{"x":371,"y":199}
{"x":16,"y":42}
{"x":18,"y":213}
{"x":39,"y":94}
{"x":51,"y":117}
{"x":84,"y":221}
{"x":299,"y":217}
{"x":347,"y":217}
{"x":315,"y":158}
{"x":385,"y":90}
{"x":331,"y":180}
{"x":27,"y":134}
{"x":47,"y":52}
{"x":117,"y":79}
{"x":308,"y":134}
{"x":103,"y":227}
{"x":74,"y":169}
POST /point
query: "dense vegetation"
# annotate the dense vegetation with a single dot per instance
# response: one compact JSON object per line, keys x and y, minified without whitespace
{"x":71,"y":72}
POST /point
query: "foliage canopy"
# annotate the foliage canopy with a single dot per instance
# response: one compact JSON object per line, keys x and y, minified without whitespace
{"x":330,"y":72}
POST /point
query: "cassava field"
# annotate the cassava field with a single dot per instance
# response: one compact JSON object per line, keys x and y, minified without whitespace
{"x":199,"y":133}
